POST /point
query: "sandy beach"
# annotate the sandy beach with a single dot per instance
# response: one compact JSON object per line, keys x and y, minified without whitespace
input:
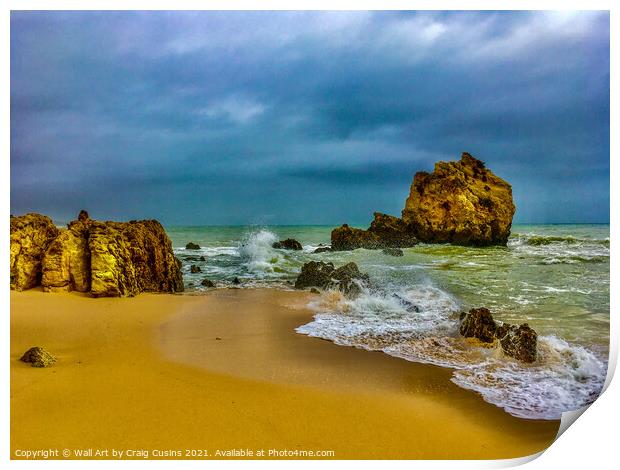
{"x":184,"y":376}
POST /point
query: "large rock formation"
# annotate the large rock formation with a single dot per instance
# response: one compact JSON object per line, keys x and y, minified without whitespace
{"x":347,"y":278}
{"x":460,"y":202}
{"x":115,"y":259}
{"x":31,"y":234}
{"x":516,"y":341}
{"x":132,"y":257}
{"x":66,"y":265}
{"x":385,"y":231}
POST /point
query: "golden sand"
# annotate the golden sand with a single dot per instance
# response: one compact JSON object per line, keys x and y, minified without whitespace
{"x":149,"y":375}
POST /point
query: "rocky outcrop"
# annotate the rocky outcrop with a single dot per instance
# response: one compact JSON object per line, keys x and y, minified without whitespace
{"x":323,"y":249}
{"x":194,"y":269}
{"x":132,"y":257}
{"x":104,"y":258}
{"x":460,"y":202}
{"x":478,"y":323}
{"x":31,"y":235}
{"x":350,"y":238}
{"x":66,"y":264}
{"x":38,"y":357}
{"x":288,"y":244}
{"x":519,"y":342}
{"x":385,"y":231}
{"x":207,"y":283}
{"x":348,"y":278}
{"x":315,"y":274}
{"x":392,"y":231}
{"x":192,"y":246}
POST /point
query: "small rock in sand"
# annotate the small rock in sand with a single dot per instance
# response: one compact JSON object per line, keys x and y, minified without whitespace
{"x":38,"y":357}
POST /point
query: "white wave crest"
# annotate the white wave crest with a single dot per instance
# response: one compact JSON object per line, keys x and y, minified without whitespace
{"x":419,"y":324}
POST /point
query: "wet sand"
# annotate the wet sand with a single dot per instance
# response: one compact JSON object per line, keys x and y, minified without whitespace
{"x":186,"y":375}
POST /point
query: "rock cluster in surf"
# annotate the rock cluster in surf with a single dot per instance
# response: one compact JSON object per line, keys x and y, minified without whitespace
{"x":516,"y":341}
{"x":347,"y":278}
{"x":385,"y":231}
{"x":106,"y":259}
{"x":460,"y":202}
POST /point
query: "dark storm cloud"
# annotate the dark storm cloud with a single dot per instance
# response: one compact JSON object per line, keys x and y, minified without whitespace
{"x":263,"y":117}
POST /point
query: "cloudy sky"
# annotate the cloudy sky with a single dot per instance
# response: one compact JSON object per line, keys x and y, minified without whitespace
{"x":303,"y":117}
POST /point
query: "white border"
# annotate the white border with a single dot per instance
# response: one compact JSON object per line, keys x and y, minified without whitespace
{"x":590,"y":444}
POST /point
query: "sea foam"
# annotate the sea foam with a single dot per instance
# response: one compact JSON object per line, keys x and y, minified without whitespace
{"x":419,"y":324}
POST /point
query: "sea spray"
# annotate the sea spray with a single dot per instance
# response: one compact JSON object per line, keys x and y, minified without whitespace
{"x":256,"y":251}
{"x":261,"y":260}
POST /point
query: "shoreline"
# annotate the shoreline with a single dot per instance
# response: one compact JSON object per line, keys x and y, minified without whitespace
{"x":151,"y":374}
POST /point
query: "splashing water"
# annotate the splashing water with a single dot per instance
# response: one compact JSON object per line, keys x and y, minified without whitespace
{"x":256,"y":251}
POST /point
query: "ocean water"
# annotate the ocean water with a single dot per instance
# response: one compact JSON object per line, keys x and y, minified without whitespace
{"x":554,"y":277}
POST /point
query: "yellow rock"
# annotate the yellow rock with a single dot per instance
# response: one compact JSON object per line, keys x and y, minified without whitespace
{"x":66,"y":265}
{"x":460,"y":202}
{"x":31,"y":234}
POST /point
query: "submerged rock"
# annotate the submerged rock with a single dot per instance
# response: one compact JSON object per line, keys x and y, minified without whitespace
{"x":192,"y":246}
{"x":38,"y":357}
{"x":236,"y":281}
{"x":323,"y":249}
{"x":288,"y":244}
{"x":348,"y":278}
{"x":207,"y":283}
{"x":460,"y":202}
{"x":410,"y":306}
{"x":519,"y":342}
{"x":385,"y":231}
{"x":31,"y":235}
{"x":195,"y":269}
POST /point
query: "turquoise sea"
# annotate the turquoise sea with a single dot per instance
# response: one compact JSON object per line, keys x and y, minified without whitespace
{"x":554,"y":277}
